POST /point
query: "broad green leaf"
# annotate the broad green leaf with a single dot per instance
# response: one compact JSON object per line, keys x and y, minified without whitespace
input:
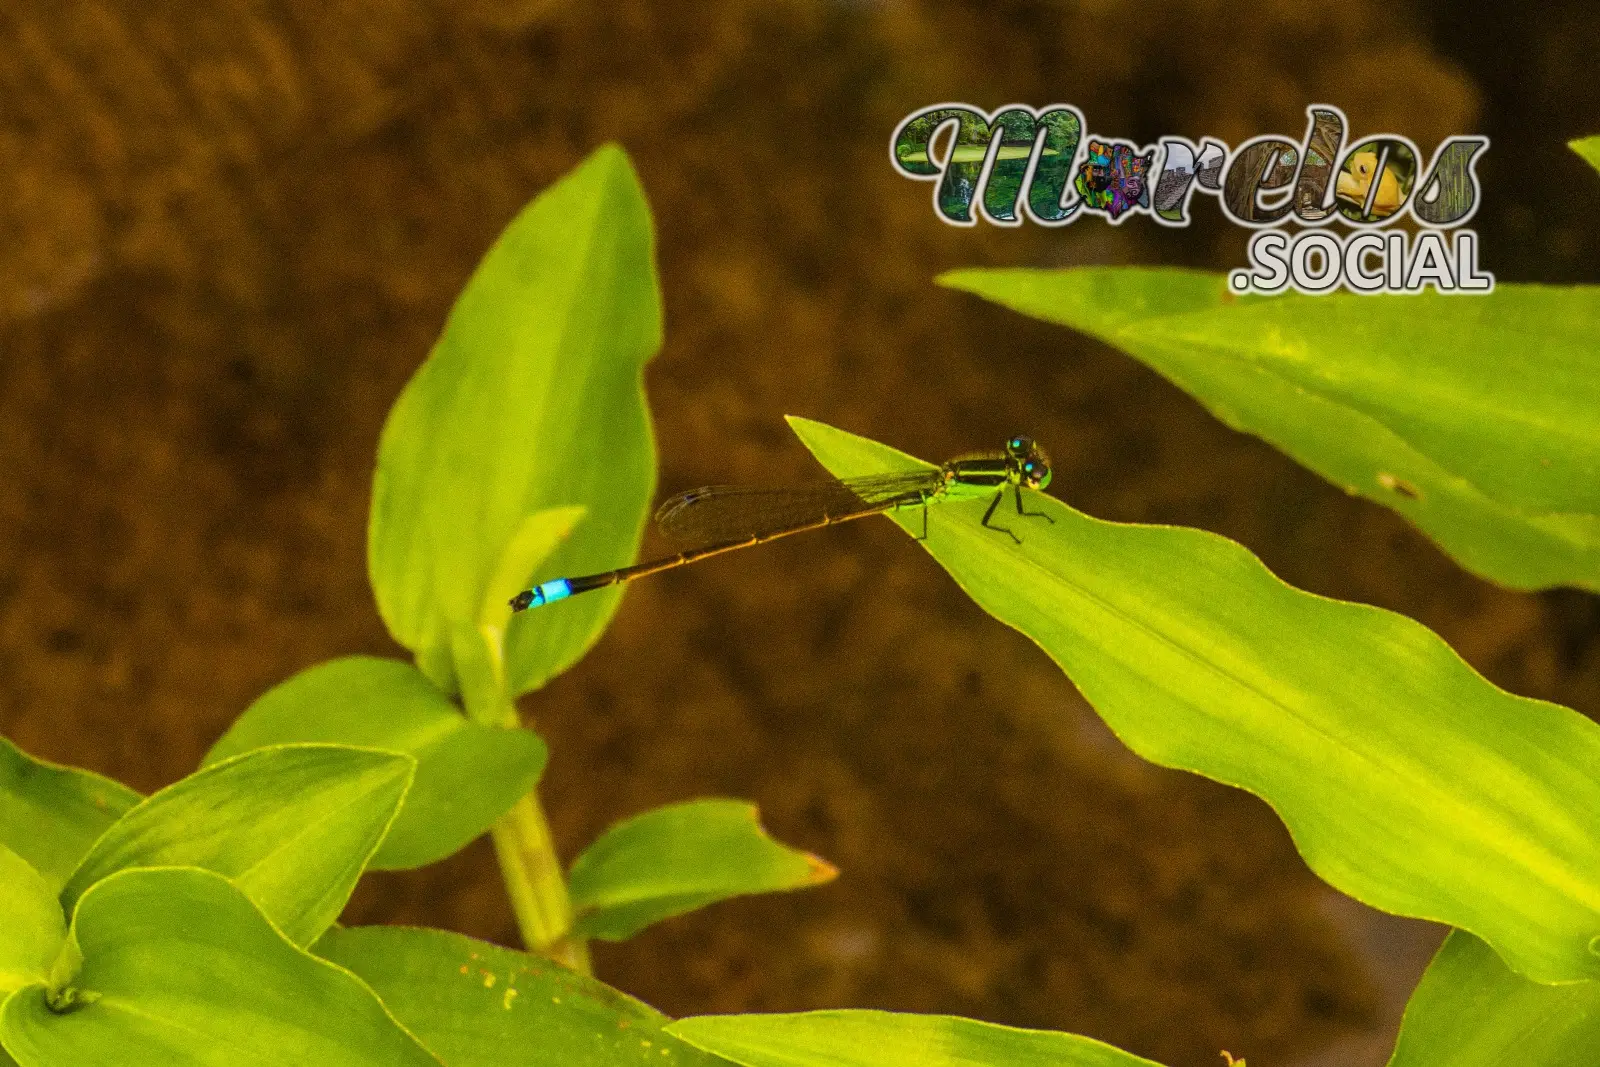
{"x":678,"y":858}
{"x":180,"y":970}
{"x":1589,"y":149}
{"x":890,"y":1039}
{"x":1475,"y":417}
{"x":31,"y":923}
{"x":292,"y":825}
{"x":1407,"y":780}
{"x":532,"y":399}
{"x":50,"y":815}
{"x":1471,"y":1010}
{"x":468,"y":775}
{"x":479,"y":1005}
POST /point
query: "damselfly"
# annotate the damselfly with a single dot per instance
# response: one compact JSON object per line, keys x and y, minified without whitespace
{"x":722,"y":518}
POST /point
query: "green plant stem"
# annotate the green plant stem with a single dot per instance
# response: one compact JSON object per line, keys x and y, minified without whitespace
{"x":535,"y":881}
{"x":537,"y":885}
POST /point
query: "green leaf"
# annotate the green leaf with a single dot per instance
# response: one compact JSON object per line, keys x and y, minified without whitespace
{"x":480,"y":1005}
{"x":1588,"y":148}
{"x":468,"y":774}
{"x":1406,"y":779}
{"x":532,"y":399}
{"x":1471,"y":1010}
{"x":678,"y":858}
{"x":31,"y":923}
{"x":180,"y":969}
{"x":50,"y":815}
{"x":889,"y":1039}
{"x":1477,"y":418}
{"x":292,"y":825}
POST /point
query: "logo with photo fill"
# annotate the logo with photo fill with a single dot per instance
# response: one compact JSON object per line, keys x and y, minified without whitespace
{"x":1021,"y":162}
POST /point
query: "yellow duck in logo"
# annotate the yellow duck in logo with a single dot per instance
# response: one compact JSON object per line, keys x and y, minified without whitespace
{"x":1355,"y":181}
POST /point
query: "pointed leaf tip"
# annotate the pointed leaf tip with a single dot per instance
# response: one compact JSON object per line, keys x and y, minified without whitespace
{"x":1588,"y":148}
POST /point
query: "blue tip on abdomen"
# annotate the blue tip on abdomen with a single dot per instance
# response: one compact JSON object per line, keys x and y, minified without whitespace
{"x":552,"y":591}
{"x":548,"y":593}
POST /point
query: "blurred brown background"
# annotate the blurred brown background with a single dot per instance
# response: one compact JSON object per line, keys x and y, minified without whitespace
{"x":229,"y":232}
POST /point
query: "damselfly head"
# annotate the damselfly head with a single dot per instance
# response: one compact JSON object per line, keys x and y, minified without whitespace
{"x":1029,"y":461}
